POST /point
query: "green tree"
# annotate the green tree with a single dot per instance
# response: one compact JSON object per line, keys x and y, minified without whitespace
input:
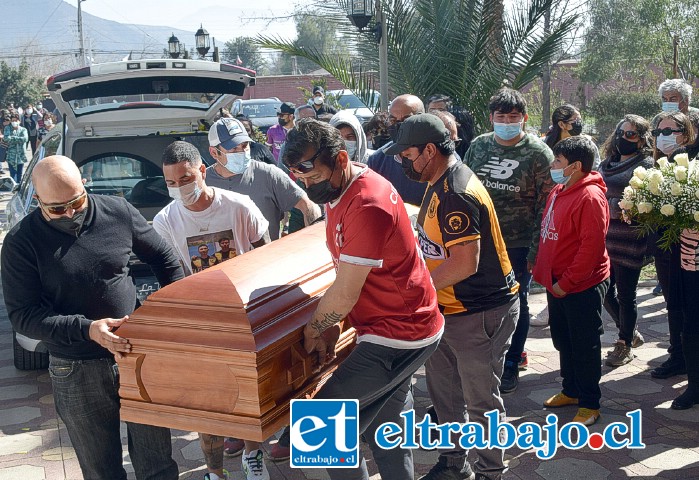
{"x":624,"y":38}
{"x":18,"y":85}
{"x":466,"y":49}
{"x":247,"y":50}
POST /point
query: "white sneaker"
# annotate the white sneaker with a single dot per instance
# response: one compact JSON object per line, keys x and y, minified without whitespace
{"x":540,"y":320}
{"x":254,"y":466}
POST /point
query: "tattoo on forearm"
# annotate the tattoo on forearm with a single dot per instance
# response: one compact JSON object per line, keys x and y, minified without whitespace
{"x":311,"y":213}
{"x":329,"y":319}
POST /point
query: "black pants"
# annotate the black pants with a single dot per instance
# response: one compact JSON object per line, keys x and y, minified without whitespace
{"x":576,"y":326}
{"x":620,"y":301}
{"x":668,"y":278}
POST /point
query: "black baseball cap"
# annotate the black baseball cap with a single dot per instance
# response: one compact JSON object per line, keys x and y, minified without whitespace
{"x":317,"y":89}
{"x":419,"y":130}
{"x":286,"y":108}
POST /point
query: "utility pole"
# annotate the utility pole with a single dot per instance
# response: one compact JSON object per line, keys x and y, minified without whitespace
{"x":383,"y":57}
{"x":80,"y":33}
{"x":675,"y":54}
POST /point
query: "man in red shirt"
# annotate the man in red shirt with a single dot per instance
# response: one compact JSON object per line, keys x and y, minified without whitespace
{"x":382,"y":286}
{"x":573,"y":265}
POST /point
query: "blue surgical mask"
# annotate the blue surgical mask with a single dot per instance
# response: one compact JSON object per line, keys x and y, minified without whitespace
{"x":237,"y":162}
{"x":666,"y":143}
{"x":507,"y":131}
{"x":558,"y":176}
{"x":671,"y":106}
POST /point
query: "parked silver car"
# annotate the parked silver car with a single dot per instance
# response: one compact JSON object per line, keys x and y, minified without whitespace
{"x":117,"y":119}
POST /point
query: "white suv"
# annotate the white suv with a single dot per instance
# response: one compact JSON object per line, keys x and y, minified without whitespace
{"x":117,"y":119}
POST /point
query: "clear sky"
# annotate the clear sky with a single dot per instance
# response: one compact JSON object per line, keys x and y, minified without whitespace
{"x":223,"y":19}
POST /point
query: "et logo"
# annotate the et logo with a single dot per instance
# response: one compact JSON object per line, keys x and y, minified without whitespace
{"x":324,"y":433}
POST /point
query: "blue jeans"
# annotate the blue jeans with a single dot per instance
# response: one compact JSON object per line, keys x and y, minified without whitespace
{"x":518,"y":259}
{"x":16,"y":171}
{"x":86,"y":396}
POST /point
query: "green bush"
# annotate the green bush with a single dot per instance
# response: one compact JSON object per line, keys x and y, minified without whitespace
{"x":609,"y":107}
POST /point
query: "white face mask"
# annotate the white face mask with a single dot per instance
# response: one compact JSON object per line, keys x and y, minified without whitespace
{"x":351,"y":148}
{"x":30,"y":111}
{"x":318,"y":100}
{"x":14,"y":124}
{"x":39,"y":107}
{"x":187,"y":194}
{"x":666,"y":143}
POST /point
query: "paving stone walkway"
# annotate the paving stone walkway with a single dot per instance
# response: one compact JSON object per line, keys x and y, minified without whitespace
{"x":34,"y":444}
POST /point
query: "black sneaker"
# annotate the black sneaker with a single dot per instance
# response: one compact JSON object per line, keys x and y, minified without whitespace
{"x":442,"y":472}
{"x":510,"y":378}
{"x":658,"y":290}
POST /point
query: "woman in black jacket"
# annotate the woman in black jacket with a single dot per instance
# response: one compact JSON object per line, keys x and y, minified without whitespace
{"x":627,"y":149}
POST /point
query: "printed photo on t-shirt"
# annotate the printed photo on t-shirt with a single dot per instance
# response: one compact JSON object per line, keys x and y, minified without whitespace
{"x":210,"y":249}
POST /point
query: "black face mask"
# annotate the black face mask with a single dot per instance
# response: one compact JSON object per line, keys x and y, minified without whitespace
{"x":393,"y":131}
{"x":70,"y":226}
{"x":378,"y":141}
{"x":577,"y":128}
{"x":409,"y":168}
{"x":626,"y":147}
{"x":324,"y":192}
{"x":283,"y":121}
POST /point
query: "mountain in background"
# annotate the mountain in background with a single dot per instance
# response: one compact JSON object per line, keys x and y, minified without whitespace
{"x":45,"y":32}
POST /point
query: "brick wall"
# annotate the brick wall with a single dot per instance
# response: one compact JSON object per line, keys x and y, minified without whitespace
{"x":286,"y":87}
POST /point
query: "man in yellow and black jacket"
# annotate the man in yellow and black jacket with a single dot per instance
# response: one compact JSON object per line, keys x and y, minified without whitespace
{"x":460,"y":238}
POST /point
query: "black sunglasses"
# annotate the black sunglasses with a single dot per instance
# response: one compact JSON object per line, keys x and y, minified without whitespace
{"x":666,"y":131}
{"x":626,"y":133}
{"x":62,"y":208}
{"x":306,"y":165}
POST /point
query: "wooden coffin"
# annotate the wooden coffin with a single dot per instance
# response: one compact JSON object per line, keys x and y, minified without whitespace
{"x":221,"y":351}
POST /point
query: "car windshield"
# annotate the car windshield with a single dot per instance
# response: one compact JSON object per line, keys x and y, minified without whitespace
{"x":350,"y":101}
{"x":254,"y":110}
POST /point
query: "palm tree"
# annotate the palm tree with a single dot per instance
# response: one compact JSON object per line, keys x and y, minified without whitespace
{"x":466,"y":49}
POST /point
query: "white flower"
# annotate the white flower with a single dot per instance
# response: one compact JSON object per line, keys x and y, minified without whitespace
{"x":655,"y":176}
{"x":628,"y":193}
{"x":676,"y":189}
{"x":667,"y":210}
{"x":696,"y":216}
{"x":636,"y":183}
{"x":654,"y":188}
{"x":696,"y":193}
{"x":682,"y":160}
{"x":662,"y":162}
{"x":625,"y":204}
{"x":680,"y":173}
{"x":640,"y":172}
{"x":644,"y":207}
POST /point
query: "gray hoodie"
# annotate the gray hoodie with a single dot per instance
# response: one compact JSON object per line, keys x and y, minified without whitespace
{"x":345,"y":117}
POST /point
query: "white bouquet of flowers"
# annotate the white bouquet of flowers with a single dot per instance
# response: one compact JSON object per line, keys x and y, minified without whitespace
{"x":665,"y":198}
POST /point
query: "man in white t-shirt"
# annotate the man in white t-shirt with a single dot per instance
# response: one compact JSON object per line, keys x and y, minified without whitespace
{"x":200,"y":217}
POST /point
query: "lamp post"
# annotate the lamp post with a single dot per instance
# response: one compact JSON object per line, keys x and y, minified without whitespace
{"x":360,"y":13}
{"x":174,"y":47}
{"x":203,"y":44}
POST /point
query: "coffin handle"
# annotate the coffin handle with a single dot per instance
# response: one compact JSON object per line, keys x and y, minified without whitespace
{"x":301,"y":366}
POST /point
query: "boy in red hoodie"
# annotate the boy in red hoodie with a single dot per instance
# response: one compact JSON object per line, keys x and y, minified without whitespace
{"x":573,"y":265}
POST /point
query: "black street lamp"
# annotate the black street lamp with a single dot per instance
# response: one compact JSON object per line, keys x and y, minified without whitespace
{"x":174,"y":47}
{"x":360,"y":12}
{"x":202,"y":41}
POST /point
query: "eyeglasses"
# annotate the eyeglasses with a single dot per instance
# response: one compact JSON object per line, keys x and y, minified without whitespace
{"x":306,"y":165}
{"x":62,"y":208}
{"x":666,"y":131}
{"x":630,"y":134}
